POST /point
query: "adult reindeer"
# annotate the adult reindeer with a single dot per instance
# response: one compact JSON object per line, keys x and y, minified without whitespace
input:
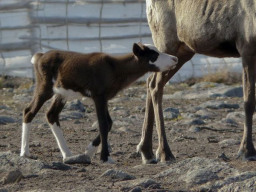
{"x":219,"y":28}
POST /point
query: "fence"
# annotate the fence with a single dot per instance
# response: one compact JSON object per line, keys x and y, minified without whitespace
{"x":80,"y":25}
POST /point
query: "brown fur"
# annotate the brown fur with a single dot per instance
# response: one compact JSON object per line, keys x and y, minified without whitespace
{"x":220,"y":28}
{"x":96,"y":75}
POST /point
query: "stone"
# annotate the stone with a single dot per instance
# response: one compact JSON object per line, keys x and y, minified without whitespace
{"x":12,"y":177}
{"x":228,"y":142}
{"x":171,"y":113}
{"x":213,"y":104}
{"x":71,"y":115}
{"x":9,"y":160}
{"x":117,"y":175}
{"x":199,"y":176}
{"x":78,"y":159}
{"x":5,"y":119}
{"x":240,"y":182}
{"x":59,"y":166}
{"x":75,"y":105}
{"x":142,"y":183}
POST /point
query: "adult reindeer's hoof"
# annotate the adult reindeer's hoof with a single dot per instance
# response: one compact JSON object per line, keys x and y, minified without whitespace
{"x":247,"y":155}
{"x":78,"y":159}
{"x":147,"y":156}
{"x":165,"y":157}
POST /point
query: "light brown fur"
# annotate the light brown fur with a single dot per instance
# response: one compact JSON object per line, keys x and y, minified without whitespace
{"x":220,"y":28}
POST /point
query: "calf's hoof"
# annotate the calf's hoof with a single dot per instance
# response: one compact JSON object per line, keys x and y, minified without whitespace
{"x":109,"y":161}
{"x":245,"y":157}
{"x":77,"y":159}
{"x":29,"y":156}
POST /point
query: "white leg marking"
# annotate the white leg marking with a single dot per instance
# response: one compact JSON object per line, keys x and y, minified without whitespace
{"x":91,"y":150}
{"x":60,"y":140}
{"x":24,"y":151}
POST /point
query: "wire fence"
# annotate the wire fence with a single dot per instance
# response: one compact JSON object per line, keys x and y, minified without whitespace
{"x":111,"y":26}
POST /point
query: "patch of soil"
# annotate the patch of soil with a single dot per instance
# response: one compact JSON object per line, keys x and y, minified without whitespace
{"x":79,"y":133}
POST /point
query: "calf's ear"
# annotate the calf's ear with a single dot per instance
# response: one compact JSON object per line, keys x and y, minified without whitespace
{"x":137,"y":49}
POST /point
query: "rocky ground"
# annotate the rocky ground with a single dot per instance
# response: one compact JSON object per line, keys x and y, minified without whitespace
{"x":204,"y":125}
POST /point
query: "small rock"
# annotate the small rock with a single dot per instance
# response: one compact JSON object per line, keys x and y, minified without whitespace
{"x":228,"y":142}
{"x":143,"y":183}
{"x":59,"y":166}
{"x":223,"y":157}
{"x":192,"y":122}
{"x":237,"y":115}
{"x":78,"y":159}
{"x":136,"y":189}
{"x":75,"y":105}
{"x":218,"y":105}
{"x":229,"y":121}
{"x":199,"y":176}
{"x":71,"y":115}
{"x":3,"y":107}
{"x":212,"y":139}
{"x":196,"y":122}
{"x":12,"y":177}
{"x":171,"y":113}
{"x":126,"y":130}
{"x":116,"y":108}
{"x":82,"y":170}
{"x":117,"y":174}
{"x":194,"y":129}
{"x":4,"y":120}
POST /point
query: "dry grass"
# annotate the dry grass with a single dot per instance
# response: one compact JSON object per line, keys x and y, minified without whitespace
{"x":226,"y":77}
{"x":15,"y":82}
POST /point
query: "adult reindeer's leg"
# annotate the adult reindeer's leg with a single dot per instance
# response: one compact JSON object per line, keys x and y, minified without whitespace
{"x":145,"y":145}
{"x":247,"y":149}
{"x":155,"y":85}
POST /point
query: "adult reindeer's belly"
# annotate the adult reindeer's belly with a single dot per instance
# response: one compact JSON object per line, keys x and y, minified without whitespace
{"x":208,"y":28}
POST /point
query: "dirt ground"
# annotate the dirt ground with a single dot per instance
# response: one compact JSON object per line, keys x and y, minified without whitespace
{"x":127,"y":112}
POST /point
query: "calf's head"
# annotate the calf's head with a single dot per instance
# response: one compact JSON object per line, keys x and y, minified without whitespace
{"x":154,"y":60}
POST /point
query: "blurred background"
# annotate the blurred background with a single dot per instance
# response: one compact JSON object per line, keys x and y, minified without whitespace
{"x":111,"y":26}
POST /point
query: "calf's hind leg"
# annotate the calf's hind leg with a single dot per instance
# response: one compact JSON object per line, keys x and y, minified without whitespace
{"x":28,"y":115}
{"x":53,"y":119}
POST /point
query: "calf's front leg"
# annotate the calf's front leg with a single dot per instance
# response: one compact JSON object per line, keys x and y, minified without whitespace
{"x":102,"y":115}
{"x":93,"y":146}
